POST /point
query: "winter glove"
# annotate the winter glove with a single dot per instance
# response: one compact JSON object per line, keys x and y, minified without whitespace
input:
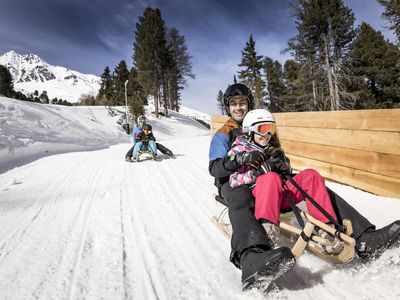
{"x":253,"y":159}
{"x":283,"y":168}
{"x":280,"y":163}
{"x":266,"y":166}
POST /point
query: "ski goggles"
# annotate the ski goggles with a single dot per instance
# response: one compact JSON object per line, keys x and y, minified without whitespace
{"x":263,"y":129}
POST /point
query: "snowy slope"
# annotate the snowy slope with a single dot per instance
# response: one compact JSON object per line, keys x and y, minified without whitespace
{"x":30,"y":73}
{"x":88,"y":225}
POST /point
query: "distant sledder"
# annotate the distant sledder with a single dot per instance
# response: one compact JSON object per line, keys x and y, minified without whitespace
{"x":144,"y":142}
{"x":253,"y":227}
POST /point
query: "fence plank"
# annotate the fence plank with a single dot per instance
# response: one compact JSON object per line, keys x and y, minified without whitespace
{"x":359,"y":148}
{"x":374,"y":162}
{"x":377,"y":119}
{"x":375,"y":183}
{"x":378,"y":141}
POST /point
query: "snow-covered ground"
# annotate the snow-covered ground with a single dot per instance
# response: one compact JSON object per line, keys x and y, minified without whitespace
{"x":88,"y":225}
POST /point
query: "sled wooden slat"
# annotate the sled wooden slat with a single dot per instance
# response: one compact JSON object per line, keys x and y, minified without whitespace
{"x":328,"y":228}
{"x":224,"y":229}
{"x":301,"y":244}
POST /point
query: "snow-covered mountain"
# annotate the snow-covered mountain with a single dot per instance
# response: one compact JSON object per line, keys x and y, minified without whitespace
{"x":30,"y":73}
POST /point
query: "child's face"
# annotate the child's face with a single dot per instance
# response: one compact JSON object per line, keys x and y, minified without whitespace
{"x":262,"y":140}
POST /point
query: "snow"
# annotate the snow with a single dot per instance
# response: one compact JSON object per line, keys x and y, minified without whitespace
{"x":88,"y":225}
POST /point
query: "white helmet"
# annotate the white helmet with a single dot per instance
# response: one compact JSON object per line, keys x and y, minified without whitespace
{"x":256,"y":116}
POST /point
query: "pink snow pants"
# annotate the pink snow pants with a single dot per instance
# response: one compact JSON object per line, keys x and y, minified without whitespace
{"x":270,"y":198}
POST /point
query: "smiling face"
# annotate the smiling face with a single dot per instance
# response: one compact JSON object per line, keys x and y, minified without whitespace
{"x":238,"y":107}
{"x":262,"y":141}
{"x":142,"y":121}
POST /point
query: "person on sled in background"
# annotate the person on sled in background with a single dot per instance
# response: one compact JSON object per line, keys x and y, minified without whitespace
{"x":252,"y":249}
{"x":141,"y":120}
{"x":145,"y":141}
{"x":264,"y":176}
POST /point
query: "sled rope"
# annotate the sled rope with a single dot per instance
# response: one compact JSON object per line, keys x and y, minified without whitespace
{"x":319,"y":207}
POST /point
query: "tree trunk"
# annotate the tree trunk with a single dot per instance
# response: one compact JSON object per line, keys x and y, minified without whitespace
{"x":336,"y":87}
{"x":156,"y":101}
{"x":314,"y":91}
{"x":329,"y":74}
{"x":314,"y":84}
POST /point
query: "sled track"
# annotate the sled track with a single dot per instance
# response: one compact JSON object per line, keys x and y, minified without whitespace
{"x":28,"y":216}
{"x":84,"y":218}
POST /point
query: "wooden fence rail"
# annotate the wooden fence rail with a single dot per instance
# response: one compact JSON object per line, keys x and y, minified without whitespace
{"x":360,"y":148}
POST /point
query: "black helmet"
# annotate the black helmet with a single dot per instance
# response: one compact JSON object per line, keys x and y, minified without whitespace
{"x":238,"y":89}
{"x":147,"y":127}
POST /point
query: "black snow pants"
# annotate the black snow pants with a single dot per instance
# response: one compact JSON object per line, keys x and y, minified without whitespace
{"x":344,"y":210}
{"x":247,"y":232}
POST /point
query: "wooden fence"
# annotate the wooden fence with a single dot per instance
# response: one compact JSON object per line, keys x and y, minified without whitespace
{"x":359,"y":148}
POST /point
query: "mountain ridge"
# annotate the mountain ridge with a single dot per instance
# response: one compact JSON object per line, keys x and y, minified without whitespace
{"x":30,"y":72}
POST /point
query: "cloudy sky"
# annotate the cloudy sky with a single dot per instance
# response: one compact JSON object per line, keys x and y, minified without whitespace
{"x":88,"y":35}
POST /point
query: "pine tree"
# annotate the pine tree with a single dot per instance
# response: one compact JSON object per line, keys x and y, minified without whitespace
{"x":392,"y":14}
{"x":6,"y":82}
{"x":150,"y":53}
{"x":299,"y":87}
{"x":120,"y":75}
{"x":275,"y":84}
{"x":44,"y":98}
{"x":325,"y":31}
{"x":250,"y":74}
{"x":375,"y":62}
{"x":135,"y":94}
{"x":106,"y":92}
{"x":179,"y":67}
{"x":220,"y":102}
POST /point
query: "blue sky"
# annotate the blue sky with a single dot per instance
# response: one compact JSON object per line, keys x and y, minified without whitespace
{"x":88,"y":35}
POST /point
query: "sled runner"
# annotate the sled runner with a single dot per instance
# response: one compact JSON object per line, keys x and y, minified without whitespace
{"x":305,"y":236}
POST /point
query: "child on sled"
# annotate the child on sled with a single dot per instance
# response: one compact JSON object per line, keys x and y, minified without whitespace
{"x":145,"y":141}
{"x":261,"y":146}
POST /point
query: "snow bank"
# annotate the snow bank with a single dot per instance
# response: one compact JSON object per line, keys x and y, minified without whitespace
{"x":31,"y":130}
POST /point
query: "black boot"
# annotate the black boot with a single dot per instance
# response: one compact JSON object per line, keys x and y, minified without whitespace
{"x":373,"y":243}
{"x":262,"y":267}
{"x":170,"y":154}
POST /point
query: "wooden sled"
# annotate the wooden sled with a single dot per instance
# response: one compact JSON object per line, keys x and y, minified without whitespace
{"x":144,"y":153}
{"x":305,"y":238}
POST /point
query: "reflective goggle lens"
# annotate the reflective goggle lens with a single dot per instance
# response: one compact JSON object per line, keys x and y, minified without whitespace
{"x":146,"y":132}
{"x":265,"y":128}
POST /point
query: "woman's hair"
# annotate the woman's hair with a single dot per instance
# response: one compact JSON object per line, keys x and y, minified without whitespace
{"x":274,"y":141}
